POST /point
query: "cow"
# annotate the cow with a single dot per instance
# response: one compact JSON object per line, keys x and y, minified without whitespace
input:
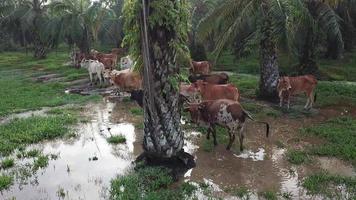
{"x":93,"y":67}
{"x":111,"y":56}
{"x":201,"y":67}
{"x":224,"y":112}
{"x":124,"y":80}
{"x":288,"y":86}
{"x":220,"y":78}
{"x":210,"y":91}
{"x":77,"y":57}
{"x":126,"y":62}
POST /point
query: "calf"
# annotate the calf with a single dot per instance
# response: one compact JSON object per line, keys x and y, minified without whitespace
{"x":201,"y":67}
{"x":111,"y":56}
{"x":224,"y":112}
{"x":220,"y":78}
{"x":94,"y":67}
{"x":288,"y":86}
{"x":210,"y":91}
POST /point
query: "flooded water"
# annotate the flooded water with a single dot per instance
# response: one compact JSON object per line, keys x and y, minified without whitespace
{"x":86,"y":164}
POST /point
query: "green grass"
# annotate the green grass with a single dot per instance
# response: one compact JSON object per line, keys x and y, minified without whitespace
{"x":32,"y":153}
{"x":7,"y":163}
{"x":247,"y":84}
{"x":340,"y":136}
{"x":324,"y":183}
{"x":40,"y":162}
{"x":117,"y":139}
{"x":136,"y":111}
{"x":296,"y":157}
{"x":269,"y":195}
{"x":241,"y":192}
{"x":149,"y":183}
{"x":5,"y":182}
{"x":30,"y":130}
{"x":20,"y":92}
{"x":333,"y":93}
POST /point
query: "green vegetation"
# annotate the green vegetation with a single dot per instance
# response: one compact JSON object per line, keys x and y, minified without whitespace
{"x":40,"y":162}
{"x":31,"y":130}
{"x":269,"y":195}
{"x":18,"y":84}
{"x":296,"y":157}
{"x":148,"y":183}
{"x":241,"y":192}
{"x":323,"y":183}
{"x":7,"y":163}
{"x":5,"y":182}
{"x":136,"y":111}
{"x":32,"y":153}
{"x":117,"y":139}
{"x":331,"y":93}
{"x":340,"y":135}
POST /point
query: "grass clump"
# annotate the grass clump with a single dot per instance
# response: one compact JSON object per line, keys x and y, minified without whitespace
{"x":296,"y":157}
{"x":269,"y":195}
{"x":40,"y":162}
{"x":7,"y":163}
{"x":32,"y":153}
{"x":324,"y":183}
{"x":30,"y":130}
{"x":149,"y":183}
{"x":333,"y":93}
{"x":340,"y":135}
{"x":5,"y":182}
{"x":117,"y":139}
{"x":136,"y":111}
{"x":241,"y":192}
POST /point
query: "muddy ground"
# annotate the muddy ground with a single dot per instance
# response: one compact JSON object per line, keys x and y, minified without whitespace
{"x":86,"y":164}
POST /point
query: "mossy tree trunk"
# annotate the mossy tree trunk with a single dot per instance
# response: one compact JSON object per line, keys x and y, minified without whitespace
{"x":163,"y":136}
{"x":268,"y":56}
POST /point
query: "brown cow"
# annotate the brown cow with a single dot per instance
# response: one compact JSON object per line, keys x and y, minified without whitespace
{"x":288,"y":86}
{"x":201,"y":67}
{"x":210,"y":91}
{"x":226,"y":113}
{"x":124,"y":80}
{"x":112,"y":56}
{"x":219,"y":78}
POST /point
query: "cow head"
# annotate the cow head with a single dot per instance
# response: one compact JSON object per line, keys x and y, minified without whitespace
{"x":84,"y":63}
{"x":283,"y":85}
{"x":195,"y":112}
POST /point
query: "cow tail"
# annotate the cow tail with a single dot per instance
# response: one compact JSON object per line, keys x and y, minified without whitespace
{"x":248,"y":115}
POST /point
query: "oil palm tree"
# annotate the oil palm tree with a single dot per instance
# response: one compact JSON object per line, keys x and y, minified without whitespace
{"x":27,"y":21}
{"x":156,"y":32}
{"x":277,"y":24}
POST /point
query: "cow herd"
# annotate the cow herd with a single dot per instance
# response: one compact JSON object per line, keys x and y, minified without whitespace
{"x":209,"y":98}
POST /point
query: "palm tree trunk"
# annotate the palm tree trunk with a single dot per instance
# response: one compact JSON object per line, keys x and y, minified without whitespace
{"x":268,"y":57}
{"x":307,"y":63}
{"x":40,"y":50}
{"x":163,"y":136}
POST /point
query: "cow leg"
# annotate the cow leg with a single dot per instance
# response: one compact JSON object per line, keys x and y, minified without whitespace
{"x":308,"y":102}
{"x":311,"y":100}
{"x":241,"y":137}
{"x":91,"y":78}
{"x":280,"y":101}
{"x":231,"y":139}
{"x":288,"y":103}
{"x":214,"y":135}
{"x":208,"y":134}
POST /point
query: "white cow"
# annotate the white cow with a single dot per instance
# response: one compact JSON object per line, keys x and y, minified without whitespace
{"x":126,"y":62}
{"x":93,"y":67}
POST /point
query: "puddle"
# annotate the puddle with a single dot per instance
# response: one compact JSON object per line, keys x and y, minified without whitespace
{"x":255,"y":156}
{"x":26,"y":114}
{"x":75,"y":172}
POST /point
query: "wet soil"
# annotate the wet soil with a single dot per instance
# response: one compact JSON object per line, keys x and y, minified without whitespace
{"x":261,"y":167}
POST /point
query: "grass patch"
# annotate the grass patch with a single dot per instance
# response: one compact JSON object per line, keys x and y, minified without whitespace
{"x":30,"y":130}
{"x":140,"y":125}
{"x":117,"y":139}
{"x":269,"y":195}
{"x":148,"y":183}
{"x":136,"y":111}
{"x":296,"y":157}
{"x":40,"y":162}
{"x":32,"y":153}
{"x":5,"y":182}
{"x":22,"y":93}
{"x":340,"y":135}
{"x":333,"y":93}
{"x":241,"y":192}
{"x":7,"y":163}
{"x":247,"y":84}
{"x":324,"y":183}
